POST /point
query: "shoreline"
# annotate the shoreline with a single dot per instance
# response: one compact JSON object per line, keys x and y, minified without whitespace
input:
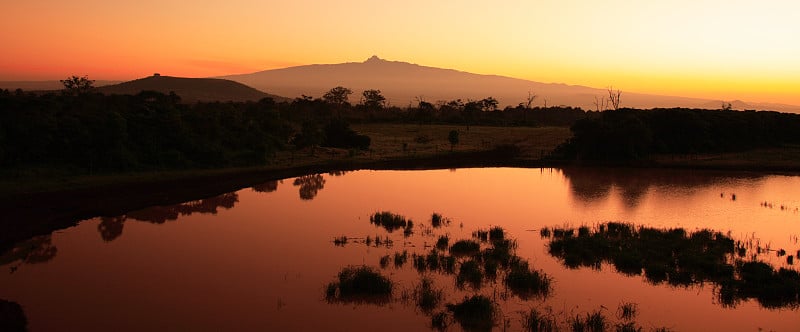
{"x":40,"y":212}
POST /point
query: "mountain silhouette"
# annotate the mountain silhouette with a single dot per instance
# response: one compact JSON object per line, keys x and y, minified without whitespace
{"x":191,"y":89}
{"x":404,"y":83}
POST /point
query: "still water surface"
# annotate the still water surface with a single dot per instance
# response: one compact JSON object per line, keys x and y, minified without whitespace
{"x":260,"y":258}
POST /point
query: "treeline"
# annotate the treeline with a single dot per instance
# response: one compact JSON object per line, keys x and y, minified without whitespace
{"x":79,"y":131}
{"x":629,"y":134}
{"x":483,"y":112}
{"x":96,"y":133}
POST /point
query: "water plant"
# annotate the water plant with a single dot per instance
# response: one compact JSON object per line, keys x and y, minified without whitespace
{"x":465,"y":248}
{"x":340,"y":241}
{"x":536,"y":321}
{"x":409,"y":229}
{"x":439,"y":321}
{"x":681,"y":258}
{"x":442,"y":242}
{"x":476,"y":313}
{"x":360,"y":283}
{"x":437,"y":220}
{"x":388,"y":220}
{"x":524,"y":282}
{"x":627,"y":310}
{"x":470,"y":272}
{"x":427,"y":297}
{"x":400,"y":258}
{"x":384,"y":261}
{"x":497,"y":234}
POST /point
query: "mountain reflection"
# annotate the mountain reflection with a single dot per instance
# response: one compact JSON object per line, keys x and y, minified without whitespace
{"x":679,"y":258}
{"x":310,"y":185}
{"x":36,"y":250}
{"x":592,"y":184}
{"x":111,"y":228}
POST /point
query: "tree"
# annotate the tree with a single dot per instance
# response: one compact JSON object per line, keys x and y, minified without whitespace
{"x":613,"y":97}
{"x":453,"y":138}
{"x":338,"y":95}
{"x":75,"y":85}
{"x":373,"y":100}
{"x":528,"y":103}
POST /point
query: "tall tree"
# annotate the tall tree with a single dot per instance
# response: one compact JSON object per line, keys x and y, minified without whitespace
{"x":76,"y":85}
{"x":338,"y":95}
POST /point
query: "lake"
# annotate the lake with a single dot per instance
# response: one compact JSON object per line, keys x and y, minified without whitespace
{"x":679,"y":250}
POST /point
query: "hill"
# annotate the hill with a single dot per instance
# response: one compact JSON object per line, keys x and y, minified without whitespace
{"x":402,"y":83}
{"x":191,"y":89}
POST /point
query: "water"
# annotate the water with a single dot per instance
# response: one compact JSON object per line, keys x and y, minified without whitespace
{"x":261,"y":258}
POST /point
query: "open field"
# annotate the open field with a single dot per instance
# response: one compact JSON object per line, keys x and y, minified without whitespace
{"x":412,"y":141}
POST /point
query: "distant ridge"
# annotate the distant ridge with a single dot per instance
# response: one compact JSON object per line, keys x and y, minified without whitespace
{"x":191,"y":89}
{"x":403,"y":83}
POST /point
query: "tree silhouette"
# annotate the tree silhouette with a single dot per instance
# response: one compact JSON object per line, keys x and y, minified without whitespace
{"x":337,"y":96}
{"x":613,"y":97}
{"x":76,"y":85}
{"x":373,"y":99}
{"x":453,"y":138}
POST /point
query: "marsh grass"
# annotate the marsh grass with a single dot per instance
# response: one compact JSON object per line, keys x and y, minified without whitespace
{"x":360,"y":284}
{"x":427,"y":297}
{"x":497,"y":234}
{"x":536,"y":321}
{"x":682,"y":259}
{"x":476,"y":313}
{"x":389,"y":221}
{"x":437,"y":220}
{"x":340,"y":241}
{"x":470,"y":272}
{"x":439,"y":321}
{"x":525,"y":283}
{"x":627,"y":310}
{"x":400,"y":258}
{"x":465,"y":248}
{"x":384,"y":261}
{"x":443,"y":242}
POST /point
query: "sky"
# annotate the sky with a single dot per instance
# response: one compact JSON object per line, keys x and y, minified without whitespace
{"x":747,"y":50}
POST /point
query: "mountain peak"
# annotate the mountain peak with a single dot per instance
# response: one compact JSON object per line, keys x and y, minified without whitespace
{"x":374,"y":59}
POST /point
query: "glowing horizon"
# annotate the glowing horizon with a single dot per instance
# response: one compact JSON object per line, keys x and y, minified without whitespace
{"x":724,"y":50}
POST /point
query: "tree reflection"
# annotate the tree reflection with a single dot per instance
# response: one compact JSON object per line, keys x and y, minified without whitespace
{"x":110,"y":228}
{"x":36,"y":250}
{"x":679,"y":258}
{"x":266,"y":187}
{"x":592,"y":184}
{"x":12,"y":317}
{"x":309,"y":185}
{"x":162,"y":214}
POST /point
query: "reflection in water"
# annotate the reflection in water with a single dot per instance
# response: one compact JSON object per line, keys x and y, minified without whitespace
{"x":266,"y":187}
{"x":111,"y":228}
{"x":12,"y":317}
{"x":39,"y":249}
{"x":680,"y":259}
{"x":309,"y":185}
{"x":593,"y":184}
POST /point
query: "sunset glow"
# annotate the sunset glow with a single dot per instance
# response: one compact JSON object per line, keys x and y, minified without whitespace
{"x":713,"y":49}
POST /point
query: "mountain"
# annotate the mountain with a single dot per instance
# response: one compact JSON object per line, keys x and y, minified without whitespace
{"x":402,"y":83}
{"x":191,"y":89}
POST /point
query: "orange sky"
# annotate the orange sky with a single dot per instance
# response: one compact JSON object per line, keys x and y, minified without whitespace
{"x":727,"y":50}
